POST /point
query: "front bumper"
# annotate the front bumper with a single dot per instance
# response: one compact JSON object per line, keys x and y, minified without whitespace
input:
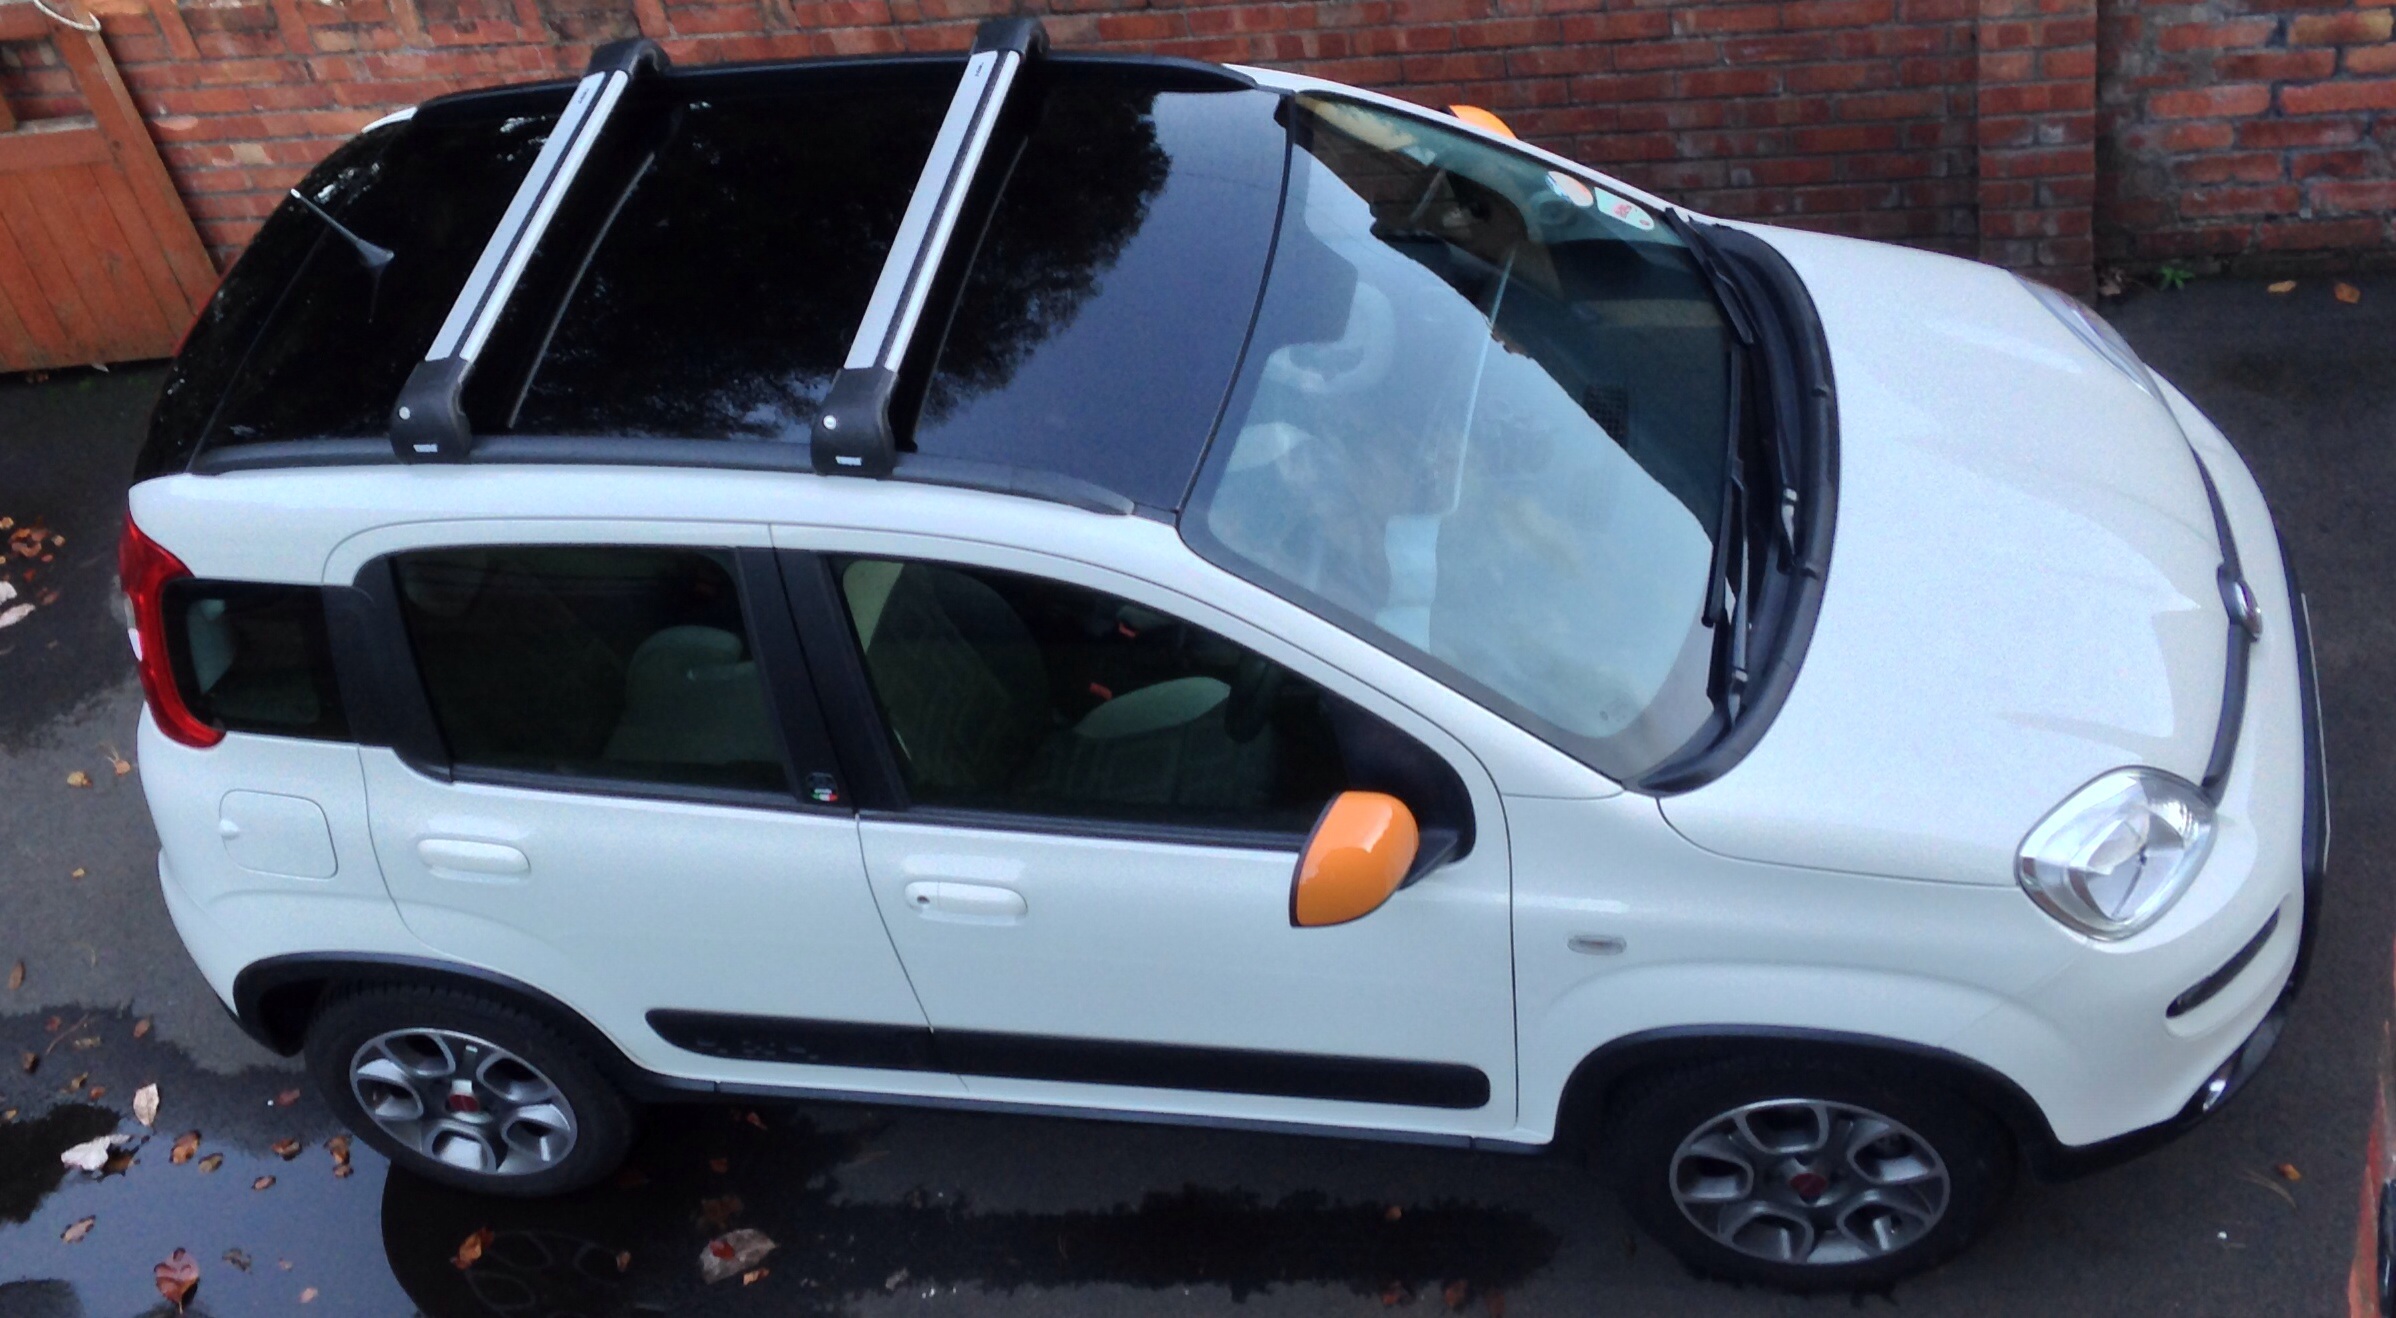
{"x":2057,"y":1161}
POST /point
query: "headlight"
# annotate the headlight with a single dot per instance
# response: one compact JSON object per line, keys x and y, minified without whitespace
{"x":2114,"y":856}
{"x":2092,"y":329}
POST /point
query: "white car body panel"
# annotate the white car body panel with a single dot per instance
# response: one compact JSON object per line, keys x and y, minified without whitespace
{"x":2021,"y":593}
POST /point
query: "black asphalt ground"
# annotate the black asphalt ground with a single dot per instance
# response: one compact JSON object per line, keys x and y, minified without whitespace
{"x":897,"y":1211}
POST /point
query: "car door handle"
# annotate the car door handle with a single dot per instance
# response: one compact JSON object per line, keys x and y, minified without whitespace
{"x":458,"y":854}
{"x":965,"y":903}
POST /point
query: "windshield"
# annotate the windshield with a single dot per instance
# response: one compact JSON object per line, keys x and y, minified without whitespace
{"x":1482,"y":423}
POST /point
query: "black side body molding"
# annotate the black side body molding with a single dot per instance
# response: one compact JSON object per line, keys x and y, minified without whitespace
{"x":1086,"y":1061}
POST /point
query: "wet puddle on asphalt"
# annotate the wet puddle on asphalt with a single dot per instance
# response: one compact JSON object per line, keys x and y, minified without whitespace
{"x":378,"y":1242}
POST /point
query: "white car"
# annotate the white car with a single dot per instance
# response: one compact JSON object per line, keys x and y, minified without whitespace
{"x":1129,"y":588}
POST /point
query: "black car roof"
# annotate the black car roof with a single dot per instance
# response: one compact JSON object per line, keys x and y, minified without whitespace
{"x":696,"y":297}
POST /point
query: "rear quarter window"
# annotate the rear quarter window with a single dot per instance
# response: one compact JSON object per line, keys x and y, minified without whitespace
{"x":252,"y":657}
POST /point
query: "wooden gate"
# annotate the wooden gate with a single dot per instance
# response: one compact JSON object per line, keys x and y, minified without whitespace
{"x":98,"y":259}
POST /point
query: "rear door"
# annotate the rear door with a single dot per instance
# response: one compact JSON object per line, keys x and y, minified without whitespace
{"x":606,"y":779}
{"x":1097,"y":798}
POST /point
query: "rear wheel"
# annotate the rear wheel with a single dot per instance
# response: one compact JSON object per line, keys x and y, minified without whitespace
{"x":1806,"y":1177}
{"x":467,"y":1091}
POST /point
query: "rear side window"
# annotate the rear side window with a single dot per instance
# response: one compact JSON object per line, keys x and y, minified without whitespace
{"x":304,"y":340}
{"x":252,"y":657}
{"x":607,"y":662}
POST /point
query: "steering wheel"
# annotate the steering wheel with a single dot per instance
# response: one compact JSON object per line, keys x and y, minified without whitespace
{"x":1355,"y":361}
{"x":1250,"y":704}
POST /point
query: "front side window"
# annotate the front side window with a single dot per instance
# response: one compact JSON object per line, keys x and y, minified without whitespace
{"x":1005,"y":692}
{"x":1482,"y":423}
{"x":592,"y":661}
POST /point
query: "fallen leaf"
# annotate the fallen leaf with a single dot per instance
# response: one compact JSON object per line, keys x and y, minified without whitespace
{"x":186,"y":1144}
{"x":8,"y":1114}
{"x":2288,"y":1172}
{"x":92,"y":1154}
{"x":338,"y":1146}
{"x":141,"y":1028}
{"x":1456,"y":1295}
{"x":262,"y":1183}
{"x":2283,"y":286}
{"x":145,"y":1105}
{"x":284,"y":1264}
{"x":1392,"y":1213}
{"x":623,"y":1260}
{"x":212,"y":1162}
{"x":2348,"y":293}
{"x":285,"y":1148}
{"x":1397,"y":1294}
{"x":342,"y":1170}
{"x":1495,"y":1301}
{"x":30,"y":1061}
{"x":754,"y":1276}
{"x":308,"y":1296}
{"x":77,"y":1229}
{"x":719,"y":1165}
{"x":177,"y":1276}
{"x":471,"y":1248}
{"x":14,"y":614}
{"x":733,"y":1253}
{"x":78,"y":778}
{"x":51,"y":1025}
{"x":122,"y":767}
{"x":753,"y":1119}
{"x":718,"y":1213}
{"x":895,"y":1280}
{"x":16,"y":977}
{"x":97,"y":1093}
{"x":285,"y":1099}
{"x":238,"y":1258}
{"x":86,"y":1043}
{"x":77,"y":1082}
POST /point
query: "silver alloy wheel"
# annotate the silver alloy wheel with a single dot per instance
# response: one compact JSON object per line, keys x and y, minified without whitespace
{"x":1796,"y":1180}
{"x":462,"y":1101}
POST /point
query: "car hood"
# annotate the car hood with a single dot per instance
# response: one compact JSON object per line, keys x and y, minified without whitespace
{"x":2022,"y":589}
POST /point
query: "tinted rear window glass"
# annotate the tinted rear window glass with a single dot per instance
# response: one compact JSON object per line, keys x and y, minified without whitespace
{"x":252,"y":657}
{"x":722,"y":294}
{"x":303,"y":341}
{"x":1102,"y":317}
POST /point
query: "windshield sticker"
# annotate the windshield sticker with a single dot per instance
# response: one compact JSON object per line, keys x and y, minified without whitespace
{"x":1616,"y":208}
{"x":1581,"y":194}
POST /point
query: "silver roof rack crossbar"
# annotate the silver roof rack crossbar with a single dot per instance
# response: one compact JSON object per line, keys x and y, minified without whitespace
{"x":852,"y":431}
{"x":428,"y":424}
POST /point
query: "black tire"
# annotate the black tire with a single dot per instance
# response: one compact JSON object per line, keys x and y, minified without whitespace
{"x":600,"y":1123}
{"x":1650,"y":1121}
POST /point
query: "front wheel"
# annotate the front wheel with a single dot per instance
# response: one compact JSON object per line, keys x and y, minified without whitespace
{"x":1806,"y":1177}
{"x":467,"y":1091}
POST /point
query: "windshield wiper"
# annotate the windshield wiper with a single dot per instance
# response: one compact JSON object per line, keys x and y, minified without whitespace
{"x":1742,"y":322}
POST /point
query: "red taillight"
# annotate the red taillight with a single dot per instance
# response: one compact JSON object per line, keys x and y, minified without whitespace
{"x":145,"y":568}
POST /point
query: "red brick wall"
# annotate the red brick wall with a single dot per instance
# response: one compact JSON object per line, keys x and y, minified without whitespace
{"x":1970,"y":126}
{"x":2258,"y":132}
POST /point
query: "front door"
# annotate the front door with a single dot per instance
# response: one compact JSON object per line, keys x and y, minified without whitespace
{"x":631,"y":815}
{"x":1087,"y":867}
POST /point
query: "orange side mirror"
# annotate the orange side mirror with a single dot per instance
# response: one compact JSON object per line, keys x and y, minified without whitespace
{"x":1480,"y":118}
{"x":1359,"y":853}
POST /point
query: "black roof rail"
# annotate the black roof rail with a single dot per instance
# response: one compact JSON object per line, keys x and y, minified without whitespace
{"x":852,"y":431}
{"x":428,"y":423}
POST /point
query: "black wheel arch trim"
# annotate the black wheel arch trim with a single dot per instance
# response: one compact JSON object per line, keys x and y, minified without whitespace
{"x":275,"y":998}
{"x":1582,"y":1109}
